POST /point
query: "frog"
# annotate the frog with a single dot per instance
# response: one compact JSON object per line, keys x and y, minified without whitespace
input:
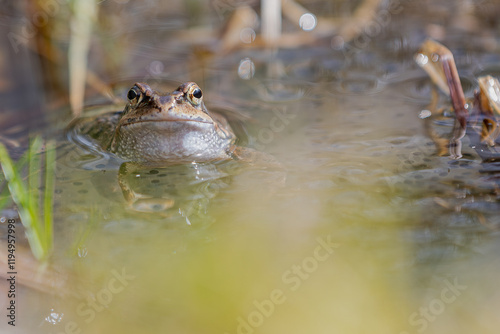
{"x":169,"y":128}
{"x":160,"y":131}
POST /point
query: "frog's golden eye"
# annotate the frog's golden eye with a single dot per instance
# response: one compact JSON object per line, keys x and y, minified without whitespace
{"x":134,"y":95}
{"x":194,"y":94}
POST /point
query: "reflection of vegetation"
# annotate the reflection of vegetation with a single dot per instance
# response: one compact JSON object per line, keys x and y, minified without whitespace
{"x":78,"y":248}
{"x":38,"y":227}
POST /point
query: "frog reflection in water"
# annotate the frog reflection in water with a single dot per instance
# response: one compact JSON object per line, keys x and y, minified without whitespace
{"x":171,"y":128}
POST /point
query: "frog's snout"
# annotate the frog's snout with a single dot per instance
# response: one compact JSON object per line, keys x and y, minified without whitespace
{"x":167,"y":102}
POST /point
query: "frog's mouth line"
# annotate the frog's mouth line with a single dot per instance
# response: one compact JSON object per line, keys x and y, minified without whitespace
{"x":166,"y":121}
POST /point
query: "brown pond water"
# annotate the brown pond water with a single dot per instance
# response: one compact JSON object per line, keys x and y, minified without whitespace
{"x":366,"y":230}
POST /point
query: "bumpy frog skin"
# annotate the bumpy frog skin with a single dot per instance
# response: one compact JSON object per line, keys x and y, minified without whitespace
{"x":174,"y":127}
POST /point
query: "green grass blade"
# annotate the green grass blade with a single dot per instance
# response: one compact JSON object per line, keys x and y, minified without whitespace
{"x":21,"y":197}
{"x":5,"y":198}
{"x":26,"y":195}
{"x":14,"y":182}
{"x":34,"y":165}
{"x":50,"y":160}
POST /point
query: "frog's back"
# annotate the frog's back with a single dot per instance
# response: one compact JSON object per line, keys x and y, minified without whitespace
{"x":98,"y":130}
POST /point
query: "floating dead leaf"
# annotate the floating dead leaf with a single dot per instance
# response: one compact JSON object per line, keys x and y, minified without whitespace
{"x":490,"y":94}
{"x":441,"y":202}
{"x":485,"y":222}
{"x":489,"y":131}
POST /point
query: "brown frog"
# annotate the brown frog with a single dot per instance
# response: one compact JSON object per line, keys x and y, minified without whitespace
{"x":159,"y":131}
{"x":171,"y":128}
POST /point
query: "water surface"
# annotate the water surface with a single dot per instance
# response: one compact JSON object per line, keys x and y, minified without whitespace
{"x":365,"y":229}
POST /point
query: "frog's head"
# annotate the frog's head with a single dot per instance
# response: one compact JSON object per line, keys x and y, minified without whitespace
{"x":185,"y":104}
{"x":177,"y":125}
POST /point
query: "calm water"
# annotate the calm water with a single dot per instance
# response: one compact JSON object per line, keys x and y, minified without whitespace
{"x":365,"y":229}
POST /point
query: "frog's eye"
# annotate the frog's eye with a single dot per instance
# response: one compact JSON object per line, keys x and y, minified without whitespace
{"x":194,"y":94}
{"x":134,"y":95}
{"x":197,"y":93}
